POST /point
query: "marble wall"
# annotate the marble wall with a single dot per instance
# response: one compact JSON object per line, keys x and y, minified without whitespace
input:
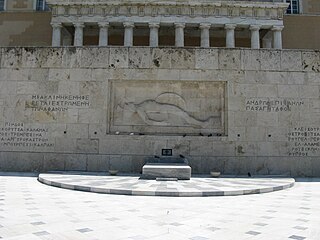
{"x":91,"y":109}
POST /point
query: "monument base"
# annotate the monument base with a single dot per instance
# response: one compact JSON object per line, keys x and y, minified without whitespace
{"x":179,"y":171}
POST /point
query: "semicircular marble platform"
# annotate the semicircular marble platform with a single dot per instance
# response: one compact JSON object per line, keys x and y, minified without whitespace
{"x":196,"y":187}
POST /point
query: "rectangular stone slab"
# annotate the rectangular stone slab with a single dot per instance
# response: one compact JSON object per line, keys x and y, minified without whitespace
{"x":168,"y":107}
{"x":163,"y":170}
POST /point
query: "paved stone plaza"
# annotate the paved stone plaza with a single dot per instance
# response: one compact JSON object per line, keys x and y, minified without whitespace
{"x":31,"y":210}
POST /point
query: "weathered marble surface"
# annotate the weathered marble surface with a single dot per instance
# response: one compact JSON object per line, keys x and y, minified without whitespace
{"x":168,"y":107}
{"x":58,"y":108}
{"x":158,"y":170}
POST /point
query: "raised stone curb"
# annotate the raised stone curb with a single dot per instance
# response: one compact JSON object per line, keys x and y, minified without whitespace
{"x":196,"y":187}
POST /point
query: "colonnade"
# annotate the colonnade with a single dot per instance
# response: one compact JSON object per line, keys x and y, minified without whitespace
{"x":179,"y":34}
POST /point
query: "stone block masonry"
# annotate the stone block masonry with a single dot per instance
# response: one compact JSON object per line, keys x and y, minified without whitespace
{"x":100,"y":108}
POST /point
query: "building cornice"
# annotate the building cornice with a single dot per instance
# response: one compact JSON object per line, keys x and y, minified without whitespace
{"x":244,"y":9}
{"x":177,"y":2}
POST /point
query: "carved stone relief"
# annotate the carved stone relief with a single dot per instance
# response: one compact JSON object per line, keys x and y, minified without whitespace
{"x":167,"y":107}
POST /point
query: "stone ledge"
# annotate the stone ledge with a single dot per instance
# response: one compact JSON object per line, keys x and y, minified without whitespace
{"x":165,"y":58}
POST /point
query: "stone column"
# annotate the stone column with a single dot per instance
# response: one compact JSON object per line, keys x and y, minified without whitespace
{"x":56,"y":34}
{"x":205,"y":35}
{"x":255,"y":36}
{"x":230,"y":38}
{"x":154,"y":34}
{"x":277,"y":37}
{"x":179,"y":34}
{"x":128,"y":34}
{"x":78,"y":34}
{"x":103,"y":33}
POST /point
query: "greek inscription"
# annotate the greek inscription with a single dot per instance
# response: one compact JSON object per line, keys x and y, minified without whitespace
{"x":272,"y":105}
{"x":57,"y":103}
{"x":305,"y":141}
{"x":14,"y":134}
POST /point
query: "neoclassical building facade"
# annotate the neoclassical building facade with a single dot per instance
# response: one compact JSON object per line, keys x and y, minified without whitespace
{"x":117,"y":82}
{"x":163,"y":23}
{"x":28,"y":22}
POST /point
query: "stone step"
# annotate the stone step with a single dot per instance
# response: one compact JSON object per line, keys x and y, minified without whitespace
{"x":166,"y":179}
{"x":154,"y":171}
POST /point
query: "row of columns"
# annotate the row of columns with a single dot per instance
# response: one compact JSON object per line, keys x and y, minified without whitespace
{"x":179,"y":35}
